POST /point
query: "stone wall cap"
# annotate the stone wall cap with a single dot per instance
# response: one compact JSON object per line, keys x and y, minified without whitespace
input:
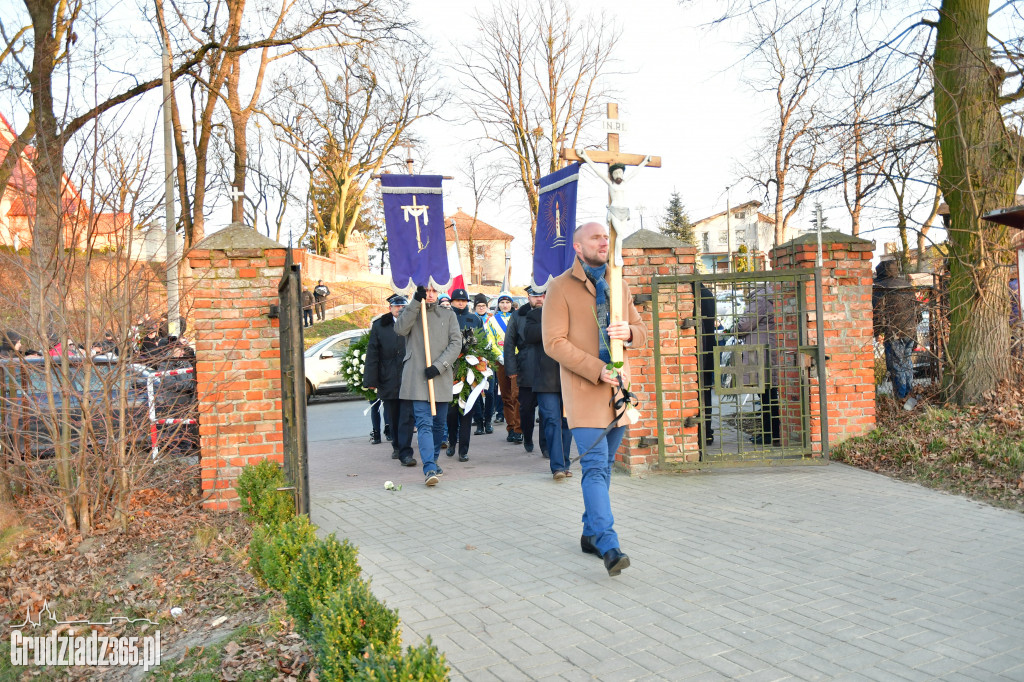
{"x":827,"y":237}
{"x":237,"y":236}
{"x":649,"y":239}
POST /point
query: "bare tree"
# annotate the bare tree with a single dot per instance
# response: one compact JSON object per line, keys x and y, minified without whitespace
{"x":346,"y":119}
{"x":482,"y":184}
{"x":532,"y":80}
{"x":978,"y":84}
{"x":982,"y":166}
{"x":794,"y":49}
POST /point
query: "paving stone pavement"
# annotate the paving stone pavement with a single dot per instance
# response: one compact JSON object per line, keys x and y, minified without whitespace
{"x":795,"y":573}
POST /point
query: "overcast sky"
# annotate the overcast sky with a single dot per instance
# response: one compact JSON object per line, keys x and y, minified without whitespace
{"x":678,"y":96}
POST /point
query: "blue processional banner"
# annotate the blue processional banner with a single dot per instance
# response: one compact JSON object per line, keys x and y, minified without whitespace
{"x":556,"y":220}
{"x":414,"y":217}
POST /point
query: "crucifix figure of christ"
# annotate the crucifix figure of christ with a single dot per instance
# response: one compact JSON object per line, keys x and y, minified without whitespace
{"x":618,"y":212}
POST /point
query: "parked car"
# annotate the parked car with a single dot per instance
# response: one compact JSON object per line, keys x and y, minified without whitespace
{"x":323,"y":363}
{"x":28,"y":420}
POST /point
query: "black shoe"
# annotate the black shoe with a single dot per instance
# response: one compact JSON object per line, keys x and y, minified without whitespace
{"x":545,"y":454}
{"x":394,"y":454}
{"x":387,"y":433}
{"x":479,"y":430}
{"x":488,"y":428}
{"x":518,"y":437}
{"x":408,"y":462}
{"x":451,"y":450}
{"x":444,"y":444}
{"x":375,"y":437}
{"x":463,"y":457}
{"x":440,"y":471}
{"x":500,"y":419}
{"x":615,"y":561}
{"x":431,"y":478}
{"x":528,"y":447}
{"x":587,"y":545}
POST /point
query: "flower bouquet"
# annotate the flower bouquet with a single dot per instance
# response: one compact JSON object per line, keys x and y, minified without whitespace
{"x":352,"y":365}
{"x":473,"y":368}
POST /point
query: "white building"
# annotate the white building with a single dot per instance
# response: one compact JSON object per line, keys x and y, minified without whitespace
{"x":750,"y":228}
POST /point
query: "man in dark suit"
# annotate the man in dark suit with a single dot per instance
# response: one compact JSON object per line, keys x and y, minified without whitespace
{"x":382,"y":372}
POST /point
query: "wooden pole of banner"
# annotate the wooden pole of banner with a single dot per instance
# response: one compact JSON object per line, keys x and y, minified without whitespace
{"x":426,"y":349}
{"x":610,"y":157}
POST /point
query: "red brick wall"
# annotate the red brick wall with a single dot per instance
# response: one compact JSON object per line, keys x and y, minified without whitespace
{"x":846,"y":298}
{"x":237,"y":363}
{"x":678,"y":357}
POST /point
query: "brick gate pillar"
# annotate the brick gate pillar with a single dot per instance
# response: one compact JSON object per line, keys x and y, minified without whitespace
{"x":238,"y":368}
{"x":646,"y":254}
{"x":846,"y":299}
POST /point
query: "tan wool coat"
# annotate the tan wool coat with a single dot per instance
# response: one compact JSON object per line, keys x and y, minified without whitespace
{"x":571,"y":339}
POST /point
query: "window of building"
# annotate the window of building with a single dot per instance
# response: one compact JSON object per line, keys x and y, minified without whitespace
{"x":740,"y":215}
{"x":706,"y":241}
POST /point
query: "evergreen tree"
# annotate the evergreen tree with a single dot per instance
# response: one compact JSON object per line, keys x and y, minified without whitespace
{"x":676,"y":222}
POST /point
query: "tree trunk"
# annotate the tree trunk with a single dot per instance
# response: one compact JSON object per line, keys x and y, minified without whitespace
{"x":980,"y":171}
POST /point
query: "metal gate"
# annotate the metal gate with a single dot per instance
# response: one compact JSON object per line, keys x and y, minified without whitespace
{"x":753,"y":369}
{"x":293,"y":383}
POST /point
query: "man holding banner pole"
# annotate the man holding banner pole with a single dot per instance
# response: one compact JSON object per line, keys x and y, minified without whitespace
{"x":414,"y":218}
{"x":426,"y":326}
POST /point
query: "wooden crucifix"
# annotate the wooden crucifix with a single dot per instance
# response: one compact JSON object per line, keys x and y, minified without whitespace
{"x":618,"y":211}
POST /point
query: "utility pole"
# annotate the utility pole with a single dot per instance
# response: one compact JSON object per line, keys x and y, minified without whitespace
{"x":728,"y":227}
{"x":171,"y":238}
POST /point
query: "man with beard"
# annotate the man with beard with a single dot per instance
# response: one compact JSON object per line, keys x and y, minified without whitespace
{"x":577,"y":332}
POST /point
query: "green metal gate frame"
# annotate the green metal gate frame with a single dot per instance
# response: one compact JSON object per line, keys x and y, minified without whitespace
{"x":800,"y":277}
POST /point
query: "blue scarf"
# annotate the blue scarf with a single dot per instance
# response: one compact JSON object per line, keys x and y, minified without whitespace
{"x":596,"y":276}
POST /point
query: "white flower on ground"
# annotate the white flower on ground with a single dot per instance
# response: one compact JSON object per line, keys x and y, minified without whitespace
{"x":388,"y":485}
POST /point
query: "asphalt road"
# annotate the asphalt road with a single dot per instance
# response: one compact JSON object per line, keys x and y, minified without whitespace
{"x":336,"y":417}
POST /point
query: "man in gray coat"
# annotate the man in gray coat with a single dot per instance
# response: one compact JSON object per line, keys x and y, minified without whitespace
{"x":445,"y":346}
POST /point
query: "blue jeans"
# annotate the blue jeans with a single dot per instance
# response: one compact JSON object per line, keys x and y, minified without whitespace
{"x":556,"y":430}
{"x":899,"y":360}
{"x":597,"y":477}
{"x":428,"y":431}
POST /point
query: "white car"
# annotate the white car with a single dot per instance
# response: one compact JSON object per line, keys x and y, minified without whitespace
{"x":323,"y":363}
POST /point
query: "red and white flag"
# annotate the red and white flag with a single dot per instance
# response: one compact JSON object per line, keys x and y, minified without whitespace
{"x":455,"y":268}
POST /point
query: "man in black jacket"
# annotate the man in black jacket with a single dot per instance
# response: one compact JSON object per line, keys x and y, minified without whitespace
{"x":459,"y":424}
{"x":320,"y":295}
{"x":382,"y":372}
{"x":546,"y":385}
{"x":519,"y":361}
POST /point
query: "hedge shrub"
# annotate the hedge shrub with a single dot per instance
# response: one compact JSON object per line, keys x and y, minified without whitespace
{"x":259,"y":497}
{"x":423,"y":663}
{"x":321,"y":570}
{"x":274,"y":550}
{"x":348,"y":623}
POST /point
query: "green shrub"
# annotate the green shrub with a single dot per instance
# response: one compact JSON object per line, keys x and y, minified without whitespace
{"x":423,"y":663}
{"x":322,"y":569}
{"x":259,"y":497}
{"x":348,"y":623}
{"x":273,"y":550}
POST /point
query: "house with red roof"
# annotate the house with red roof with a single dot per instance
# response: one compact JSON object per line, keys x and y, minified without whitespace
{"x":481,"y":248}
{"x":83,"y":228}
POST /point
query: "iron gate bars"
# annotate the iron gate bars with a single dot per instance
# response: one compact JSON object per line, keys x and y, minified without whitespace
{"x":749,"y":347}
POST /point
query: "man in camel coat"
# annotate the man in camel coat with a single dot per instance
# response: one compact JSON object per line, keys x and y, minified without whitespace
{"x":577,"y":333}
